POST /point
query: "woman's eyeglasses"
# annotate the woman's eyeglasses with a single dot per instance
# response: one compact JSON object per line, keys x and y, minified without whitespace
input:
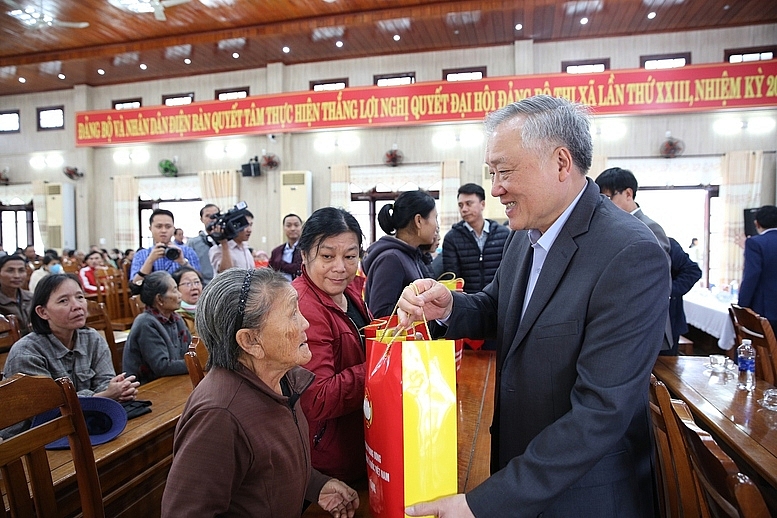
{"x":189,"y":285}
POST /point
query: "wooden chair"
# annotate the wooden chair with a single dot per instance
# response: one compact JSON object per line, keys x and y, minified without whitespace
{"x":110,"y":292}
{"x":97,"y":318}
{"x":24,"y":464}
{"x":9,"y":332}
{"x":759,"y":331}
{"x":726,"y":491}
{"x":195,"y":368}
{"x":136,"y":305}
{"x":677,"y":491}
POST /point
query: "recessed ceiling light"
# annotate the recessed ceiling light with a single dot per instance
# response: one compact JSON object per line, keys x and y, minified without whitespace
{"x":235,"y":55}
{"x":651,"y":15}
{"x":61,"y":76}
{"x":456,"y":31}
{"x":143,"y":66}
{"x":286,"y":50}
{"x":396,"y":37}
{"x":187,"y":61}
{"x":338,"y":44}
{"x":518,"y":26}
{"x":22,"y":80}
{"x":101,"y":71}
{"x":583,"y":21}
{"x":726,"y":7}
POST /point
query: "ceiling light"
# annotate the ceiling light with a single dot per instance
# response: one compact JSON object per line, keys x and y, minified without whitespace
{"x":143,"y":66}
{"x":231,"y":44}
{"x":396,"y":37}
{"x":727,"y":126}
{"x":121,"y":157}
{"x":761,"y":124}
{"x":651,"y":15}
{"x":38,"y":162}
{"x":22,"y":80}
{"x":54,"y":160}
{"x":50,"y":67}
{"x":101,"y":71}
{"x":286,"y":50}
{"x":61,"y":76}
{"x":394,"y":25}
{"x":235,"y":55}
{"x":583,"y":21}
{"x":133,"y":6}
{"x":178,"y":51}
{"x":462,"y":18}
{"x":328,"y":33}
{"x":518,"y":26}
{"x":338,"y":44}
{"x":126,"y":58}
{"x":187,"y":61}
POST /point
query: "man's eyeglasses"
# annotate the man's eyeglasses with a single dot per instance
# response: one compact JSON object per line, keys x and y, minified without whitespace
{"x":195,"y":284}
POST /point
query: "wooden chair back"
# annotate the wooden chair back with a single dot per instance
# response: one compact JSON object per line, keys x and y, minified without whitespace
{"x":111,"y":291}
{"x":758,"y":330}
{"x":97,"y":318}
{"x":726,"y":491}
{"x":193,"y":365}
{"x":677,"y":491}
{"x":24,"y":465}
{"x":136,"y":305}
{"x":9,"y":332}
{"x":70,"y":266}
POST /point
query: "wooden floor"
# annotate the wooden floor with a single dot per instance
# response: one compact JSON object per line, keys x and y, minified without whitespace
{"x":475,"y":399}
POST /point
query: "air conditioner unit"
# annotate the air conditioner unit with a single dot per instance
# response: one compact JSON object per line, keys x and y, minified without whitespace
{"x":297,"y":193}
{"x":494,"y":210}
{"x":61,"y":216}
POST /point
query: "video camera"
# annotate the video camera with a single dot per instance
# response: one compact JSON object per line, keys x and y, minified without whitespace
{"x":231,"y":223}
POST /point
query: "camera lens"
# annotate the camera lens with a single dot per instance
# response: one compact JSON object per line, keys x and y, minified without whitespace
{"x":172,"y":253}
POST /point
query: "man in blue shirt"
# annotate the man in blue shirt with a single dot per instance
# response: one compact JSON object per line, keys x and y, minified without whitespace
{"x":162,"y":256}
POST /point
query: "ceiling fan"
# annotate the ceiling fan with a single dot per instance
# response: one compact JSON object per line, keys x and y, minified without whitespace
{"x":33,"y":17}
{"x":147,"y":6}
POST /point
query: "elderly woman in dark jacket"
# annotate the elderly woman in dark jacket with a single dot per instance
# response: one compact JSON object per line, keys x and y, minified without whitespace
{"x":242,"y":437}
{"x":159,"y":337}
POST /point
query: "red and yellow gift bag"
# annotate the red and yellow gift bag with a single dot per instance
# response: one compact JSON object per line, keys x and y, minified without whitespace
{"x":410,"y":421}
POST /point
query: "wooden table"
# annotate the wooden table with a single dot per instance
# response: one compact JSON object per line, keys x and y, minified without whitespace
{"x":133,"y":467}
{"x":475,"y":399}
{"x":734,"y":417}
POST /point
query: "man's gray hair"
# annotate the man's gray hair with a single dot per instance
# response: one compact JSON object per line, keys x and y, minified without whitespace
{"x":218,"y":317}
{"x":550,"y":121}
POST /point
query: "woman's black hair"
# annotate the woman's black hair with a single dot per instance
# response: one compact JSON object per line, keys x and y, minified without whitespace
{"x":327,"y":222}
{"x":91,"y":253}
{"x":41,"y":296}
{"x":155,"y":283}
{"x":396,"y":216}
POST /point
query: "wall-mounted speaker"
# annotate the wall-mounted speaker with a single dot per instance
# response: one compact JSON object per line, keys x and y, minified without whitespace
{"x":251,"y":169}
{"x":750,"y":229}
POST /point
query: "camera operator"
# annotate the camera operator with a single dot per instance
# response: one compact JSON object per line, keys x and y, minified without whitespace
{"x":234,"y":253}
{"x":163,"y":255}
{"x":202,"y":243}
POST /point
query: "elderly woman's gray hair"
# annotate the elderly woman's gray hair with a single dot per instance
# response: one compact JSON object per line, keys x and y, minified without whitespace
{"x":550,"y":121}
{"x":155,"y":283}
{"x":221,"y":313}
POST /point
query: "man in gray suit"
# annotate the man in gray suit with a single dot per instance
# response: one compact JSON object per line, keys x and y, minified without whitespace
{"x":577,"y":307}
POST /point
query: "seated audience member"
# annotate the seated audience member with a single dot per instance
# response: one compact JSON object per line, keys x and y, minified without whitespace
{"x":189,"y":283}
{"x":238,"y":439}
{"x":233,"y":253}
{"x":49,"y":265}
{"x":286,"y":258}
{"x":13,"y":299}
{"x":60,"y":346}
{"x":261,"y":259}
{"x":330,"y":299}
{"x":30,"y":255}
{"x":164,"y":254}
{"x":92,"y":262}
{"x":159,"y":337}
{"x":394,"y":261}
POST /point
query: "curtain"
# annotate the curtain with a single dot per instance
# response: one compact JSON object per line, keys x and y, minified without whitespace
{"x":39,"y":204}
{"x":125,"y":212}
{"x":219,"y":188}
{"x":17,"y":194}
{"x":340,"y":192}
{"x":448,"y":205}
{"x":740,"y":188}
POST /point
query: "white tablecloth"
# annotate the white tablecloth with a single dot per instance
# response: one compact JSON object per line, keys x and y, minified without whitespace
{"x":704,"y":311}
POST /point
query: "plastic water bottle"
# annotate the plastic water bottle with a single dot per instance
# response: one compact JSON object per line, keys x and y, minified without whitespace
{"x":746,"y":359}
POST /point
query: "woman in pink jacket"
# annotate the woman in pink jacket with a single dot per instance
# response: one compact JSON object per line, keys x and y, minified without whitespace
{"x":330,"y":299}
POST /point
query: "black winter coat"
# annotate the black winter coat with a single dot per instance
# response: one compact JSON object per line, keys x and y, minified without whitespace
{"x":461,"y":254}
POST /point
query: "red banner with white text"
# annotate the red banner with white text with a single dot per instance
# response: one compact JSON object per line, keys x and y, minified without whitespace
{"x":623,"y":92}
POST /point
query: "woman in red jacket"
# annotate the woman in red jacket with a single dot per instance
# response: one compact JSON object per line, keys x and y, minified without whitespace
{"x":92,"y":261}
{"x":330,"y":299}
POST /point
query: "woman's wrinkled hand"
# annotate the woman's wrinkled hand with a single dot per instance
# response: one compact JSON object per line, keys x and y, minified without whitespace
{"x":338,"y":499}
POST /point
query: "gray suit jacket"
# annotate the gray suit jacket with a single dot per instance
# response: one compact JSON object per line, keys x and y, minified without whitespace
{"x":571,"y":431}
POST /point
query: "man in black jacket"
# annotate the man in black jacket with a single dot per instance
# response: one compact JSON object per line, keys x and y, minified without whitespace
{"x":472,"y":249}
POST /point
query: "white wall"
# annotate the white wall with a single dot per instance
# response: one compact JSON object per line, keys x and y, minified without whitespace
{"x":643,"y":135}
